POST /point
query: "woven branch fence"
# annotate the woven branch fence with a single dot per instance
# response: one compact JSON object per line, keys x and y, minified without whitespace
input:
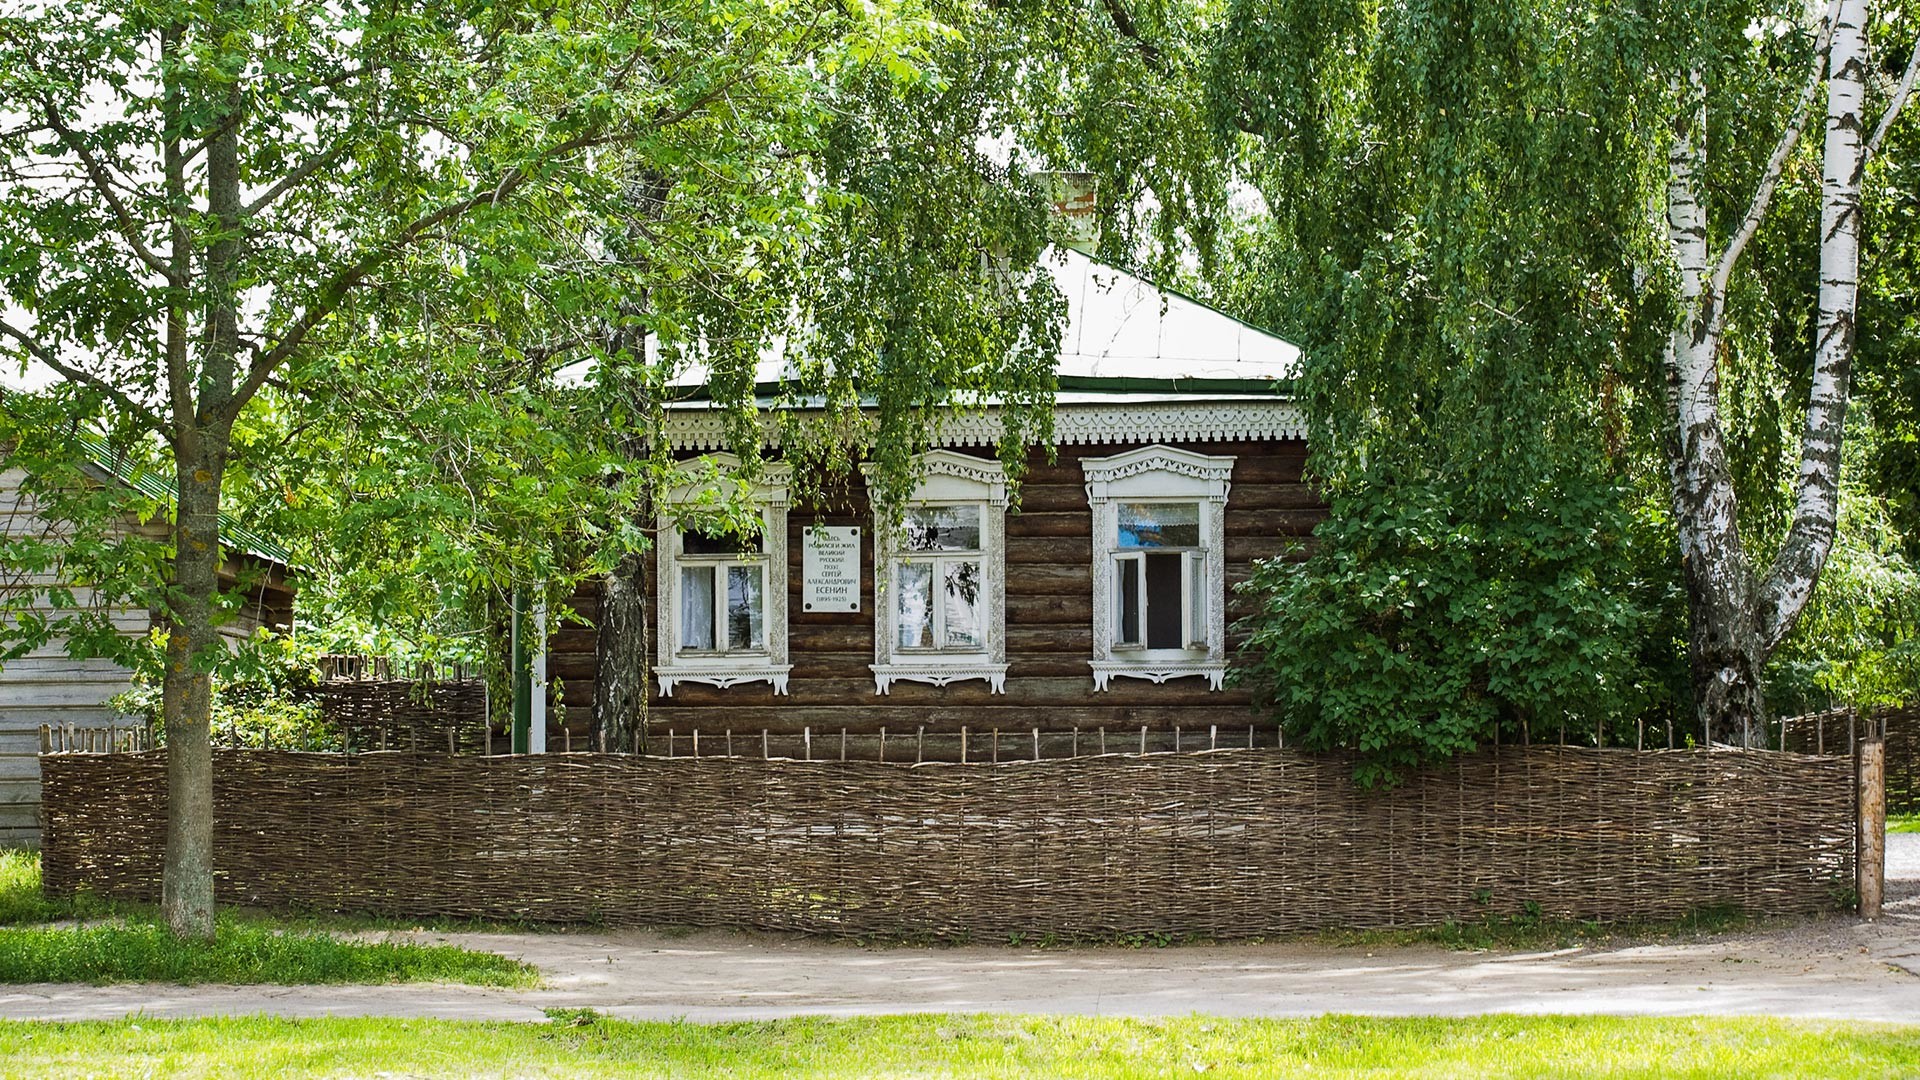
{"x":1225,"y":843}
{"x":407,"y":714}
{"x":1836,"y":731}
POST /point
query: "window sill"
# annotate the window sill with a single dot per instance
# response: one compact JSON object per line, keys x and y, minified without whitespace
{"x":1158,"y":670}
{"x":938,"y":674}
{"x":723,"y":675}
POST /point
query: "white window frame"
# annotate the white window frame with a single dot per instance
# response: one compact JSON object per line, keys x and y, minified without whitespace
{"x":947,"y":478}
{"x":1166,"y":475}
{"x":710,"y":482}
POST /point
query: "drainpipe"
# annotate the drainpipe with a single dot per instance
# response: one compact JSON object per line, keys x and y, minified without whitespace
{"x":522,"y":675}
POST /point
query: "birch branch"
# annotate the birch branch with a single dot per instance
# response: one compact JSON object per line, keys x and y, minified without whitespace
{"x":1776,"y":165}
{"x":1899,"y":100}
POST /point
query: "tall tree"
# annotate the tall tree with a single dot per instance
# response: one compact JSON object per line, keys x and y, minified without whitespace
{"x":1456,"y":219}
{"x":203,"y":202}
{"x":1739,"y":613}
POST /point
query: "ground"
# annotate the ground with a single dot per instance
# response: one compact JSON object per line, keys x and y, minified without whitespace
{"x":1833,"y":968}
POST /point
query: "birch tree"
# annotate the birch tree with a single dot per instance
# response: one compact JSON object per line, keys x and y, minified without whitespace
{"x":1511,"y":233}
{"x":1739,"y":612}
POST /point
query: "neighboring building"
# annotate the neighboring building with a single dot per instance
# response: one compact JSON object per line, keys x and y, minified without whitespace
{"x":1104,"y":601}
{"x":46,"y":686}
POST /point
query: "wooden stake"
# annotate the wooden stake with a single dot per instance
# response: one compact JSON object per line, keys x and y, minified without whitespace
{"x":883,"y":745}
{"x":1036,"y":744}
{"x":1870,"y":845}
{"x":1143,"y":738}
{"x":766,"y":752}
{"x":963,"y":745}
{"x":806,"y":743}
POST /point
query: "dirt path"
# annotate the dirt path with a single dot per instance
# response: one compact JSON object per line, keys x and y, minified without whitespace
{"x":1834,"y":968}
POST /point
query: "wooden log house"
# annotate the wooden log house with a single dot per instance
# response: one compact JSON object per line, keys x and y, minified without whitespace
{"x":1099,"y":608}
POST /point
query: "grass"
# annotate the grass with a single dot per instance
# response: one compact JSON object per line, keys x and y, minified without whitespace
{"x":118,"y":943}
{"x":1903,"y":823}
{"x":239,"y":954}
{"x":584,"y":1045}
{"x":1529,"y":931}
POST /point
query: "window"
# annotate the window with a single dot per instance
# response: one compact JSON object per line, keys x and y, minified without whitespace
{"x":937,"y":580}
{"x":723,"y":593}
{"x":1159,"y":572}
{"x":723,"y":587}
{"x":941,"y":578}
{"x":1160,"y":577}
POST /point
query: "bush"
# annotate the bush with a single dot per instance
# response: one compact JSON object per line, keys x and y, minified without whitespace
{"x":261,"y":697}
{"x":1431,"y":618}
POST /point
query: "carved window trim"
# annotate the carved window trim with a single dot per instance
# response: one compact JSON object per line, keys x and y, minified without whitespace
{"x":1158,"y":474}
{"x":709,"y":482}
{"x":948,"y":478}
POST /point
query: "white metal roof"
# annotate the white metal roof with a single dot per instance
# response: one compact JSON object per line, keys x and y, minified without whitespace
{"x":1120,"y":326}
{"x":1124,"y":328}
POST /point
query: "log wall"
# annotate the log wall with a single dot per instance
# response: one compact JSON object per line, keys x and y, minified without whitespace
{"x":1049,"y":623}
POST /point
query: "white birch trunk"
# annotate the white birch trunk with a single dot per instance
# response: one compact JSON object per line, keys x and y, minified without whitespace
{"x":1723,"y":652}
{"x":1796,"y":569}
{"x":1738,"y":620}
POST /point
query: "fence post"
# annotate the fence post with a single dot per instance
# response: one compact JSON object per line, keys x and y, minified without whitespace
{"x":1870,"y":846}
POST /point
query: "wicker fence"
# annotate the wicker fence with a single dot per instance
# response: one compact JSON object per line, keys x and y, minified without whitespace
{"x":1226,"y":843}
{"x":410,"y":714}
{"x":1836,"y":731}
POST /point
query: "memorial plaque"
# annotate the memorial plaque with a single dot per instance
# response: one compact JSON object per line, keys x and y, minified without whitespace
{"x":830,"y":568}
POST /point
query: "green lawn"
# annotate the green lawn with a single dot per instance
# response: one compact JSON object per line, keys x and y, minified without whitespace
{"x":1903,"y":823}
{"x":912,"y":1046}
{"x":113,"y":943}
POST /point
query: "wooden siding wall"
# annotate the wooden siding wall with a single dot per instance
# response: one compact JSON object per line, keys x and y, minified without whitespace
{"x":1049,"y":624}
{"x":46,"y":686}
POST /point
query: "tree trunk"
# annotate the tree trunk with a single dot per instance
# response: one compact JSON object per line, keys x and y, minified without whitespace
{"x":186,"y":886}
{"x":1796,"y":569}
{"x":203,"y":431}
{"x":620,"y":686}
{"x":1724,"y":649}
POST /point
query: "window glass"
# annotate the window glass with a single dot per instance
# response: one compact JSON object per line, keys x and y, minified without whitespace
{"x":962,"y":603}
{"x":1127,"y":610}
{"x":942,"y":528}
{"x":700,"y":542}
{"x":914,"y":607}
{"x":696,"y":607}
{"x":745,"y":622}
{"x":1197,"y":599}
{"x":1151,"y":525}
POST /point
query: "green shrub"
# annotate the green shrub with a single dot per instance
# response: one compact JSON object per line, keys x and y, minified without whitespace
{"x":1430,"y":619}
